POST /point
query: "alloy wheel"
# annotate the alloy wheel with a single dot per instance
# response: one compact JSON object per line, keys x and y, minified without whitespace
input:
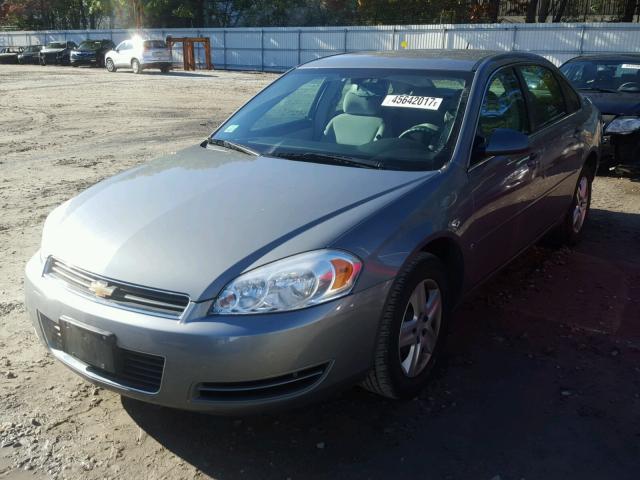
{"x":420,"y":328}
{"x":581,"y":204}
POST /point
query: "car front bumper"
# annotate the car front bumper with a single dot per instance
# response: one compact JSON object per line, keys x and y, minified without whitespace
{"x":224,"y":365}
{"x":83,"y":60}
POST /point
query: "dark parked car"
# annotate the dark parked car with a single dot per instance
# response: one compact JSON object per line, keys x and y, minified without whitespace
{"x":320,"y":236}
{"x":30,"y":54}
{"x":612,"y":83}
{"x":9,"y":54}
{"x":91,"y":52}
{"x":56,"y":53}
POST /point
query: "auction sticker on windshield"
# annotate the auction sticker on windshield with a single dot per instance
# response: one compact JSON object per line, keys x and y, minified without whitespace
{"x":412,"y":101}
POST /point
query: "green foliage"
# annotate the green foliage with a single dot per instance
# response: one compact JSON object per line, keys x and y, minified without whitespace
{"x":62,"y":14}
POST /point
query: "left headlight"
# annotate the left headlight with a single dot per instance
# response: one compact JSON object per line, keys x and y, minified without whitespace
{"x":623,"y":125}
{"x":293,"y":283}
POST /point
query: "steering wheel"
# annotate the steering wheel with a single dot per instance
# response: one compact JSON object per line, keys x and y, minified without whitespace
{"x":629,"y":87}
{"x":420,"y":132}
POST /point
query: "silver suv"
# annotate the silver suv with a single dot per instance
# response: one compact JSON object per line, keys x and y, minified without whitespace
{"x":139,"y":54}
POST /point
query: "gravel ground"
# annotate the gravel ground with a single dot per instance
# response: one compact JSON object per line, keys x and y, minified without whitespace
{"x":541,"y":377}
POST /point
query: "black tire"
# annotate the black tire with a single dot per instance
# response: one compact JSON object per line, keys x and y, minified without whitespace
{"x":135,"y":66}
{"x":110,"y":66}
{"x":387,"y":377}
{"x":570,"y":231}
{"x":165,"y":69}
{"x":74,"y":65}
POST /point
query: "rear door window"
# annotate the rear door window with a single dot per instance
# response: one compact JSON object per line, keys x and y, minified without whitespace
{"x":544,"y":95}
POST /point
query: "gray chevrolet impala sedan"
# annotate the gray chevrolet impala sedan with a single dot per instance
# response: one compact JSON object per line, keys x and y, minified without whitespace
{"x":321,"y":236}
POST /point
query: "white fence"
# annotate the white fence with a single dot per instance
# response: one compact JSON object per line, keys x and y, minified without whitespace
{"x":277,"y":49}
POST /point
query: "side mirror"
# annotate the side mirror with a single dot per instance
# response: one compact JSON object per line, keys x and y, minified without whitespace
{"x":505,"y":141}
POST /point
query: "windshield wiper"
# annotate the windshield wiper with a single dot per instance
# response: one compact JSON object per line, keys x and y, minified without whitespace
{"x":232,"y":146}
{"x":331,"y":159}
{"x":598,"y":89}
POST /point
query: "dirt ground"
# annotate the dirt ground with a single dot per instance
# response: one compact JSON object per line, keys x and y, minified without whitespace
{"x":541,"y":377}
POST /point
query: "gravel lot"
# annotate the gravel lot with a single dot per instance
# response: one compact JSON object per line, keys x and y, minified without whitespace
{"x":541,"y":377}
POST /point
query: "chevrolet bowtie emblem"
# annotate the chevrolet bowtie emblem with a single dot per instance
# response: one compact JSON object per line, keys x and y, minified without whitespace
{"x":102,"y":289}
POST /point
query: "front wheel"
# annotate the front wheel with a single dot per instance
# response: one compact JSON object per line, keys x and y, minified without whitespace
{"x":111,"y":67}
{"x":165,"y":69}
{"x":135,"y":66}
{"x":411,"y":330}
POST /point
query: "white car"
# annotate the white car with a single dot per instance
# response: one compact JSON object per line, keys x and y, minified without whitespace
{"x":139,"y":54}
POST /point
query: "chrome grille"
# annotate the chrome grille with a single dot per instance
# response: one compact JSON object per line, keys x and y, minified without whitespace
{"x":117,"y":293}
{"x":262,"y":389}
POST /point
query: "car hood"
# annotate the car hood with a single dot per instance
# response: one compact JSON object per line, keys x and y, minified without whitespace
{"x":52,"y":50}
{"x":192,"y":221}
{"x":615,"y":103}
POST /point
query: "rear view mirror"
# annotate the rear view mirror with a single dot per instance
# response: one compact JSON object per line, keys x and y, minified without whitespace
{"x":505,"y":141}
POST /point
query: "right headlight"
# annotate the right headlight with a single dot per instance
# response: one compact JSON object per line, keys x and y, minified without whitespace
{"x":623,"y":125}
{"x":293,"y":283}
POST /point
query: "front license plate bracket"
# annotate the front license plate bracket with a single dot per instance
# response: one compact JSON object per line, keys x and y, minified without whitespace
{"x":91,"y":345}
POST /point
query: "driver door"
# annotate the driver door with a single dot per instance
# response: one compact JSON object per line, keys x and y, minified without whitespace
{"x":501,"y":185}
{"x":122,"y":53}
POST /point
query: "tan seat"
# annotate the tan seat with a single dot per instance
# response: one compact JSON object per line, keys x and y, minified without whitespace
{"x":360,"y":123}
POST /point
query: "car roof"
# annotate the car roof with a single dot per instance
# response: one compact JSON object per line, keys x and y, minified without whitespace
{"x":434,"y":59}
{"x":607,"y":56}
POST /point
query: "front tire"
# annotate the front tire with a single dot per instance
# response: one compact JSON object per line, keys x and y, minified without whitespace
{"x":111,"y":67}
{"x":412,"y":329}
{"x":135,"y":66}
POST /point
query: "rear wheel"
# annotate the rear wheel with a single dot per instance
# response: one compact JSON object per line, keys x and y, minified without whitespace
{"x":135,"y":66}
{"x":165,"y":69}
{"x":571,"y":229}
{"x":411,"y":331}
{"x":111,"y":67}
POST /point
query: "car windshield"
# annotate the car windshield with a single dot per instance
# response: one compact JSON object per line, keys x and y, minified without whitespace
{"x":606,"y":75}
{"x":154,"y":44}
{"x":90,"y":45}
{"x":394,"y":119}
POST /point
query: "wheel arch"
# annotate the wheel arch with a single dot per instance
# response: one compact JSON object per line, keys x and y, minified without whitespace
{"x":592,"y":161}
{"x":450,"y":254}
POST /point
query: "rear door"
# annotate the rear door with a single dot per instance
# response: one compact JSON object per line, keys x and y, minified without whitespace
{"x":556,"y":137}
{"x":501,"y":185}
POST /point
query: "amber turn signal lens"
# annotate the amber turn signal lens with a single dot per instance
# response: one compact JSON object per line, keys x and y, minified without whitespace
{"x":344,"y":273}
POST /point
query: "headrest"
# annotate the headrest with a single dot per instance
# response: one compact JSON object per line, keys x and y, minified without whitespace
{"x":361,"y":101}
